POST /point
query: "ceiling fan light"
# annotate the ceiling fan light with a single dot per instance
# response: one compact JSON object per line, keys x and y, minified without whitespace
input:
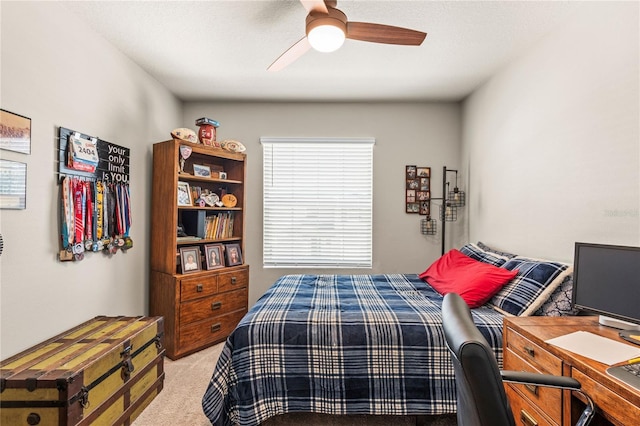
{"x":326,"y":38}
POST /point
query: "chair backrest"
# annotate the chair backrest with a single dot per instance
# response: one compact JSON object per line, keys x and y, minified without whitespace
{"x":481,"y":397}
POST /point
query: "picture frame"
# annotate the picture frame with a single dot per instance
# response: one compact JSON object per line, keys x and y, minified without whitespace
{"x":13,"y":185}
{"x":184,"y":194}
{"x":423,"y":172}
{"x":417,"y":189}
{"x":233,"y":254}
{"x":413,"y":207}
{"x":425,"y":208}
{"x":201,"y":170}
{"x":213,"y":255}
{"x":190,"y":259}
{"x":411,"y":195}
{"x":15,"y":132}
{"x":410,"y":172}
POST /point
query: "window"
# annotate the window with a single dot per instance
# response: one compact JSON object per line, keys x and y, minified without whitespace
{"x":317,"y":202}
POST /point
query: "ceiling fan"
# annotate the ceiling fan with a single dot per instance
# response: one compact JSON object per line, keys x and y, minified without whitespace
{"x":327,"y":27}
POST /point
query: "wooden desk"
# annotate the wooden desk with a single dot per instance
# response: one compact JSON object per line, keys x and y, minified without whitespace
{"x":525,"y":349}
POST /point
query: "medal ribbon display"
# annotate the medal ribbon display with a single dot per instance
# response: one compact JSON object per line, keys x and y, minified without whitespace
{"x":94,"y":215}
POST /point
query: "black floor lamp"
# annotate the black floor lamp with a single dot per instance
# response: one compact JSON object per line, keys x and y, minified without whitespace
{"x":451,"y":200}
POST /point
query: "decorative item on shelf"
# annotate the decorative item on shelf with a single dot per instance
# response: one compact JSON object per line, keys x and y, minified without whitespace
{"x":428,"y":226}
{"x":207,"y":131}
{"x":201,"y":171}
{"x":211,"y":199}
{"x":233,"y":146}
{"x":184,"y":134}
{"x":214,"y":256}
{"x":190,"y":259}
{"x":184,"y":194}
{"x":233,"y":254}
{"x":222,"y":175}
{"x":185,"y":152}
{"x":229,"y":200}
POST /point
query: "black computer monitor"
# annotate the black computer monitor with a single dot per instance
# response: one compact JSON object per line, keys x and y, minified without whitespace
{"x":606,"y":281}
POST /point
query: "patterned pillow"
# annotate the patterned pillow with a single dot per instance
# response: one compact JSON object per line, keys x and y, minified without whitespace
{"x":476,"y":253}
{"x":494,"y":251}
{"x":533,"y":285}
{"x":559,"y":303}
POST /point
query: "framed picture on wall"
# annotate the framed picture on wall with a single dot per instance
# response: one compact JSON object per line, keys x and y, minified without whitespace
{"x":418,"y":189}
{"x":15,"y":132}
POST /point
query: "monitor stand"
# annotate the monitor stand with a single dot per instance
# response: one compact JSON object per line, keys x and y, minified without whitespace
{"x":616,"y":323}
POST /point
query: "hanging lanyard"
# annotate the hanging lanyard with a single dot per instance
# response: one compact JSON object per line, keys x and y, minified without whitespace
{"x":67,"y":213}
{"x":79,"y":215}
{"x":88,"y":242}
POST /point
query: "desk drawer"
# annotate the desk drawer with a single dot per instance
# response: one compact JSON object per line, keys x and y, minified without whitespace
{"x":194,"y":288}
{"x":617,"y":408}
{"x":525,"y":413}
{"x":548,"y":399}
{"x":542,"y":360}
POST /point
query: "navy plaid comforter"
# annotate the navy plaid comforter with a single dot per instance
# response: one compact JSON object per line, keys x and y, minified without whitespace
{"x":339,"y":344}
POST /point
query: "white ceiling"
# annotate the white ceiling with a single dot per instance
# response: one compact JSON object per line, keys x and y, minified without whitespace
{"x":220,"y":50}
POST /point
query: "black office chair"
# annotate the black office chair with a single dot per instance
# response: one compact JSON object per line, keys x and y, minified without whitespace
{"x":481,"y":398}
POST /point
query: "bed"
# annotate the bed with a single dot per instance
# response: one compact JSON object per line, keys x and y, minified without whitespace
{"x":340,"y":344}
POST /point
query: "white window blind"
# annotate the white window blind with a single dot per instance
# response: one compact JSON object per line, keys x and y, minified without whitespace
{"x":317,"y":202}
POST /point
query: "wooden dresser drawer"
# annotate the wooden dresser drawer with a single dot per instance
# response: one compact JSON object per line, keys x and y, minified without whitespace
{"x":542,"y":360}
{"x":228,"y":281}
{"x":524,"y":413}
{"x":197,"y":335}
{"x":219,"y":304}
{"x":194,"y":288}
{"x":619,"y":409}
{"x":548,"y":399}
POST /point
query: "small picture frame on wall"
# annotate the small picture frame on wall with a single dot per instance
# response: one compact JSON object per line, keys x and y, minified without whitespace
{"x":190,"y":259}
{"x":15,"y":132}
{"x":411,"y":172}
{"x":413,"y":207}
{"x":233,"y":254}
{"x":184,"y":194}
{"x":213,"y":256}
{"x":423,"y":172}
{"x":425,"y":209}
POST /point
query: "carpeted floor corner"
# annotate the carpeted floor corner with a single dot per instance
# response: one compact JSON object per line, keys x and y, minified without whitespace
{"x":186,"y":379}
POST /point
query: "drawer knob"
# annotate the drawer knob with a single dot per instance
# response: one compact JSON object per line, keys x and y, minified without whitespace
{"x":215,"y":327}
{"x":529,"y":351}
{"x":233,"y":280}
{"x":199,"y":288}
{"x":33,"y":419}
{"x":527,"y":419}
{"x":216,"y":305}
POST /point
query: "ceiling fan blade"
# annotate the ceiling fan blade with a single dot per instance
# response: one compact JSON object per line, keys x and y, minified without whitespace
{"x":378,"y":33}
{"x":314,"y":6}
{"x":293,"y":53}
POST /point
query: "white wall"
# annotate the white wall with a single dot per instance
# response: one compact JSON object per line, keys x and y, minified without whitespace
{"x":405,"y":133}
{"x":551,"y":143}
{"x":59,"y":73}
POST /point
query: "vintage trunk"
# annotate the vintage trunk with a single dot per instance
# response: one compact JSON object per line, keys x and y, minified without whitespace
{"x":103,"y":372}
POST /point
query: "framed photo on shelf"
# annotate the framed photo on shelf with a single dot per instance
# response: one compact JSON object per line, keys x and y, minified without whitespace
{"x":201,"y":171}
{"x":213,"y":256}
{"x":184,"y":194}
{"x":233,"y":254}
{"x":15,"y":132}
{"x":190,"y":259}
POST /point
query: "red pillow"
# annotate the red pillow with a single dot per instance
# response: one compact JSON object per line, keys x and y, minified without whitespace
{"x":476,"y":282}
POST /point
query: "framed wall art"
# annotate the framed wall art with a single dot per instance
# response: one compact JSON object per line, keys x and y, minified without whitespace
{"x":417,"y":189}
{"x":13,"y":185}
{"x":15,"y":132}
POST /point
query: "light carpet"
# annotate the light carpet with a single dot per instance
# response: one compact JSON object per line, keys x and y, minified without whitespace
{"x":186,"y":379}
